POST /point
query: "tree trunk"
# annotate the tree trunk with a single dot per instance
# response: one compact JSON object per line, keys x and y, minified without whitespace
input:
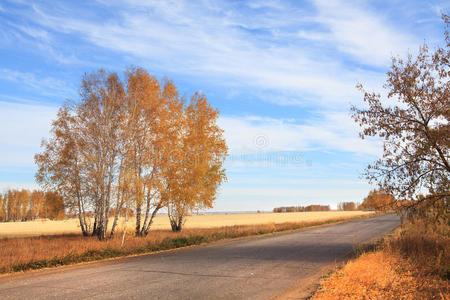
{"x":95,"y":226}
{"x":138,"y":220}
{"x":83,"y":227}
{"x":124,"y":228}
{"x":147,"y":228}
{"x":177,"y":223}
{"x":116,"y":217}
{"x":101,"y":231}
{"x":80,"y":218}
{"x":147,"y":212}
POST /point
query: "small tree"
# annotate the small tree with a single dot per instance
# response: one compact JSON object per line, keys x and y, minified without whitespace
{"x":37,"y":200}
{"x":415,"y":127}
{"x":378,"y":200}
{"x":54,"y":204}
{"x":347,"y":206}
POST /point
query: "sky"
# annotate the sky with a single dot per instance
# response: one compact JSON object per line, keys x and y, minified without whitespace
{"x":281,"y":73}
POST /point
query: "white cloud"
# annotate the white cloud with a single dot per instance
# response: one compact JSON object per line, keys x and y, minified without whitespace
{"x":33,"y":32}
{"x":41,"y":84}
{"x":362,"y":34}
{"x":22,"y":126}
{"x":260,"y":50}
{"x":329,"y":131}
{"x":439,"y":9}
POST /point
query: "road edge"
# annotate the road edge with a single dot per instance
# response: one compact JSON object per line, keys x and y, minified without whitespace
{"x":305,"y":288}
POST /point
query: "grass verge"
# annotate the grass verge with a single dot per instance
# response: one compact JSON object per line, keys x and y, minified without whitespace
{"x":413,"y":263}
{"x":22,"y":254}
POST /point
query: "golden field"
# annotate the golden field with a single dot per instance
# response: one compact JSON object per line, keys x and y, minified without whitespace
{"x":50,"y":250}
{"x":161,"y":222}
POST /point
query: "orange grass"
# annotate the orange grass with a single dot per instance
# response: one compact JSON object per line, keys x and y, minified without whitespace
{"x":412,"y":264}
{"x":19,"y":254}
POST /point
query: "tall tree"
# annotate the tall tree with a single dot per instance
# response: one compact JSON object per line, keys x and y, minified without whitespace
{"x":80,"y":160}
{"x":165,"y":149}
{"x":144,"y":141}
{"x":200,"y":171}
{"x":415,"y":127}
{"x":61,"y":166}
{"x":136,"y":147}
{"x":13,"y":206}
{"x":2,"y":208}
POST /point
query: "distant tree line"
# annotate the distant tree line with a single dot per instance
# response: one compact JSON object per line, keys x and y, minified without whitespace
{"x":348,"y":206}
{"x":376,"y":200}
{"x":25,"y":205}
{"x":301,"y":208}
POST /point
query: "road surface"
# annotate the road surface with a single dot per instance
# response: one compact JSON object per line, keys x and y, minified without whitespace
{"x":255,"y":268}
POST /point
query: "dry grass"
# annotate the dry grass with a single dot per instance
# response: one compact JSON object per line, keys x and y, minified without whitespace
{"x":71,"y":226}
{"x":18,"y":254}
{"x":412,"y":264}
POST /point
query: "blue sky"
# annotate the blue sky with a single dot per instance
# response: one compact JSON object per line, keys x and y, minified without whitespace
{"x":281,"y":73}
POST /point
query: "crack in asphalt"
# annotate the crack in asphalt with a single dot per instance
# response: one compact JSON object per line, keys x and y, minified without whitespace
{"x":197,"y":274}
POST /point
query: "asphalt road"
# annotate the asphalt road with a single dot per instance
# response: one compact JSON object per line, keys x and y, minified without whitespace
{"x":255,"y":268}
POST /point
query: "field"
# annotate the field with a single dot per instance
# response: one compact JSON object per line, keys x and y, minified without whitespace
{"x":39,"y":244}
{"x":71,"y":226}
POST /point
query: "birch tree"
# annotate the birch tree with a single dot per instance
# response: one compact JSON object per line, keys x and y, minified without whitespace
{"x":200,"y":170}
{"x":144,"y":143}
{"x":80,"y":159}
{"x":61,"y":166}
{"x":135,"y":147}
